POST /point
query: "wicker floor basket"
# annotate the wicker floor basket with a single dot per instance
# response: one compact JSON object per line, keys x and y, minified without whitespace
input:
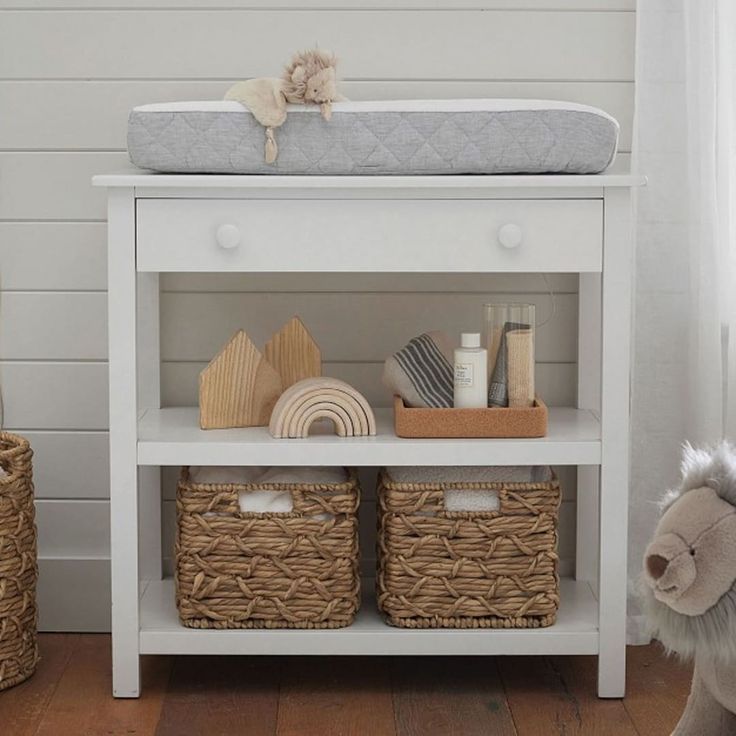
{"x":18,"y":567}
{"x":468,"y":569}
{"x":239,"y":570}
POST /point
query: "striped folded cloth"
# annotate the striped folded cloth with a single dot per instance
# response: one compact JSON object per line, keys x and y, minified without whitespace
{"x":421,"y":372}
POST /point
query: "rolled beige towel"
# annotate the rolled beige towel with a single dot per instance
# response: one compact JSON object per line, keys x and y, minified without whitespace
{"x":520,"y":369}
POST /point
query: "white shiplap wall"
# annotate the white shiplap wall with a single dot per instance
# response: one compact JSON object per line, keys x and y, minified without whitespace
{"x":69,"y":72}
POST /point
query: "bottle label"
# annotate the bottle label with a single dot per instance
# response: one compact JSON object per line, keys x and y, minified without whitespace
{"x":464,"y":375}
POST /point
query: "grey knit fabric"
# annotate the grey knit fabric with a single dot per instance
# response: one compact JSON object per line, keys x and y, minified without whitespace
{"x":378,"y":143}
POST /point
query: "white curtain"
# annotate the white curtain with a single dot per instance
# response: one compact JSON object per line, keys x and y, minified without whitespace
{"x":684,"y":361}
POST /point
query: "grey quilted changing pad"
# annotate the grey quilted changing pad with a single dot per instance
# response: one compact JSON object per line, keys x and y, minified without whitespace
{"x":378,"y":138}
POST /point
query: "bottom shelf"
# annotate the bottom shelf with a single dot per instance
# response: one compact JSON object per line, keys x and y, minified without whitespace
{"x":576,"y":632}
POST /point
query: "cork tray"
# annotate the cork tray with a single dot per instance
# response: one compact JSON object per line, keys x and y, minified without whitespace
{"x":512,"y":422}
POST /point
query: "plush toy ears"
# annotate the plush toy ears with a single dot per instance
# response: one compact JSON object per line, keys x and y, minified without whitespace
{"x":299,"y":74}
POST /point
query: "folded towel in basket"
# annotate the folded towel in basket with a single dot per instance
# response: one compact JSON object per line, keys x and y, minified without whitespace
{"x":471,"y":499}
{"x":264,"y":501}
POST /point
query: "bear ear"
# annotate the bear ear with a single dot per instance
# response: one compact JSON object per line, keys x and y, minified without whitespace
{"x":298,"y":74}
{"x":714,"y":467}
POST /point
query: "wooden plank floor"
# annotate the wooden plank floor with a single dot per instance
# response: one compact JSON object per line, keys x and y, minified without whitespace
{"x":331,"y":696}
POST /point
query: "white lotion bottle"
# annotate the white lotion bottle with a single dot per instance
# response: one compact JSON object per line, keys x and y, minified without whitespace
{"x":471,"y":373}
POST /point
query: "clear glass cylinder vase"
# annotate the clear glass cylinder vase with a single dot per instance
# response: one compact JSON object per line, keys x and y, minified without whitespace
{"x":509,"y":335}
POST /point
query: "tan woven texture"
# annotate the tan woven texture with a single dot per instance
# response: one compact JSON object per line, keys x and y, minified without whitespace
{"x":274,"y":570}
{"x":491,"y":569}
{"x":18,"y":567}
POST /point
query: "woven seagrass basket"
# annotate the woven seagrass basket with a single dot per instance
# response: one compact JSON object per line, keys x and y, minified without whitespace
{"x":237,"y":570}
{"x":18,"y":566}
{"x":468,"y":569}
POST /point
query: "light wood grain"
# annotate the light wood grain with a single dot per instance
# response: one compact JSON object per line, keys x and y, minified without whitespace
{"x":321,"y":398}
{"x":293,"y":352}
{"x":289,"y":411}
{"x":238,"y":388}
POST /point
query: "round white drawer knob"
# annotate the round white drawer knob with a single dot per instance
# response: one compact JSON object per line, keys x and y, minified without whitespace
{"x":510,"y":236}
{"x":228,"y":236}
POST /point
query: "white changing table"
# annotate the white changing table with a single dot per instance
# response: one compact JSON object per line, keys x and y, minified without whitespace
{"x":160,"y":223}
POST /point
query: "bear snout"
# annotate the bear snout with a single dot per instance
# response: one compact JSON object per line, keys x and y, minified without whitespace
{"x":669,"y":567}
{"x":656,"y":566}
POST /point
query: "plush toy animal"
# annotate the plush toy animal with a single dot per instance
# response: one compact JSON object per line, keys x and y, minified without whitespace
{"x":690,"y":586}
{"x":310,"y":77}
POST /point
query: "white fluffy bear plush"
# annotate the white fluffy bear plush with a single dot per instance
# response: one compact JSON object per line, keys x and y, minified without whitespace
{"x":689,"y":587}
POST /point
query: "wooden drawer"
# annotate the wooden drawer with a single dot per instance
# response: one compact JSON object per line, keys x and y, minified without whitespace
{"x":369,"y":235}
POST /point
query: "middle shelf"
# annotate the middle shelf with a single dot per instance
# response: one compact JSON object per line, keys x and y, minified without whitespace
{"x":172,"y":437}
